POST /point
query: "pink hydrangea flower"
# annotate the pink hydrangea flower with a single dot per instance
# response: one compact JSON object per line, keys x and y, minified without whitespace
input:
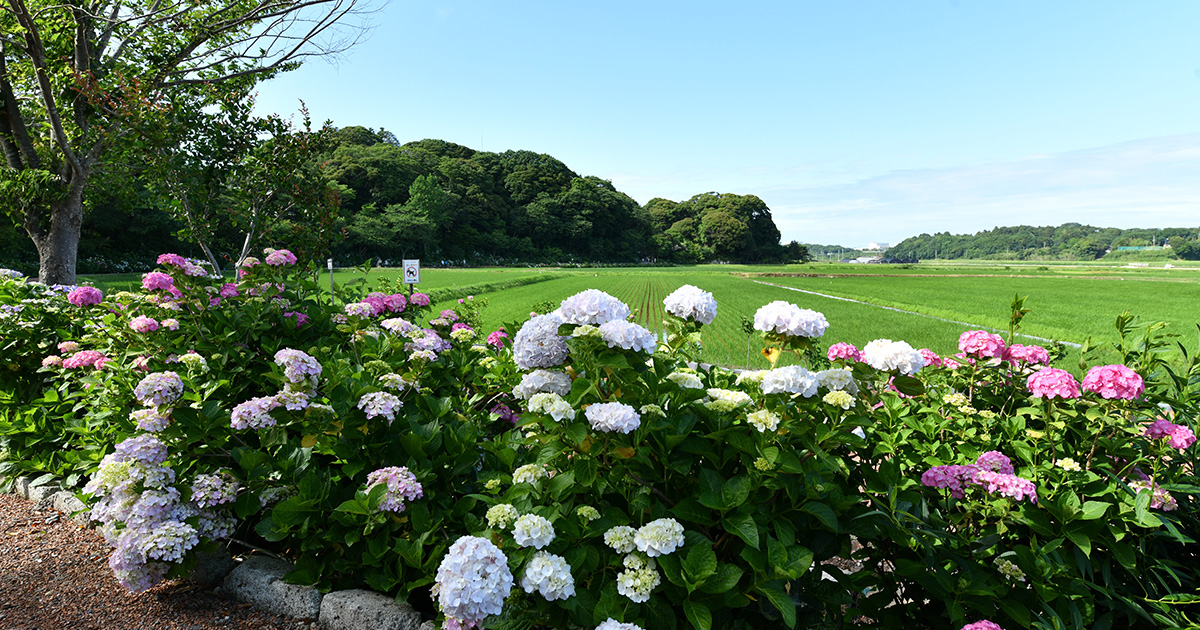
{"x":420,"y":299}
{"x":449,"y":314}
{"x":157,"y":281}
{"x":1006,"y":485}
{"x":228,"y":290}
{"x":1018,"y":353}
{"x":953,"y":478}
{"x":1177,"y":435}
{"x":85,"y":296}
{"x":278,"y":257}
{"x":459,"y":326}
{"x":951,"y":364}
{"x":496,"y":338}
{"x":1052,"y":383}
{"x":995,"y":461}
{"x":982,"y":625}
{"x":174,"y":260}
{"x":395,"y":302}
{"x":844,"y":351}
{"x":981,"y":344}
{"x":85,"y":358}
{"x":170,"y":324}
{"x":52,"y":361}
{"x":931,"y":357}
{"x":67,"y":347}
{"x":301,"y":318}
{"x":378,"y":306}
{"x":1114,"y":381}
{"x":143,"y":324}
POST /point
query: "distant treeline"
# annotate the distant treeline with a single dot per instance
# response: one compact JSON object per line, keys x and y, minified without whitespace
{"x":1070,"y":241}
{"x":447,"y":203}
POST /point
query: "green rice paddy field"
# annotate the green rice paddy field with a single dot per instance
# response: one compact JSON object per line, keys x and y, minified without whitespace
{"x":1069,"y":302}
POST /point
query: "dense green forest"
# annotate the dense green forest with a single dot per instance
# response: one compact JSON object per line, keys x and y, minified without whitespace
{"x":1070,"y":241}
{"x":446,"y":204}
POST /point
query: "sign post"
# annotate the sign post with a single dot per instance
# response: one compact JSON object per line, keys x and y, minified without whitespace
{"x":412,"y":273}
{"x":329,"y":262}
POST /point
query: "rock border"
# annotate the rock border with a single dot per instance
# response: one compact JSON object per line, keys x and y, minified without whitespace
{"x":258,"y":579}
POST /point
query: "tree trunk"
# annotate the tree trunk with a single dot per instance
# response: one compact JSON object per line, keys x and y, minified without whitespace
{"x":58,"y":247}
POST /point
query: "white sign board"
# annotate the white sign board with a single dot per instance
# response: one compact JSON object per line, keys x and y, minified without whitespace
{"x":412,"y":272}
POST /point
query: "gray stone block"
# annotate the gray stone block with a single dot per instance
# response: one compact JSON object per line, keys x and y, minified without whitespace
{"x":212,"y":567}
{"x":428,"y":625}
{"x":258,"y":581}
{"x":21,"y":487}
{"x":356,"y":609}
{"x":38,"y":494}
{"x":66,"y":502}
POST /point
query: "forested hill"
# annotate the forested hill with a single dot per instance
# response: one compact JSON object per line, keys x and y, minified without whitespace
{"x":1070,"y":241}
{"x":438,"y":200}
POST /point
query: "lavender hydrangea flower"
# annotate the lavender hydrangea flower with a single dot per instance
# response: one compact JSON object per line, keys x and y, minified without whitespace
{"x":613,"y":416}
{"x":158,"y":389}
{"x":538,"y":344}
{"x":213,"y":490}
{"x":298,"y":366}
{"x":377,"y":404}
{"x":593,"y":307}
{"x":473,"y":580}
{"x":627,"y":336}
{"x":692,"y":304}
{"x":254,"y":413}
{"x":402,"y":486}
{"x":543,"y":381}
{"x":783,"y":318}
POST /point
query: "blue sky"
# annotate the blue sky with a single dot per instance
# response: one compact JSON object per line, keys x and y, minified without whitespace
{"x":856,"y":121}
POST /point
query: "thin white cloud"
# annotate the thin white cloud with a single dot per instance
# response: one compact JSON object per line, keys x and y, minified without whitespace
{"x":1144,"y":183}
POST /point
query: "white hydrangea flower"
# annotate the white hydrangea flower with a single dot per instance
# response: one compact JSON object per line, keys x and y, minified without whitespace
{"x":552,"y":405}
{"x":792,"y":379}
{"x":531,"y":530}
{"x":763,"y":420}
{"x":726,"y":399}
{"x":540,"y":381}
{"x":751,"y":377}
{"x":691,"y":303}
{"x":613,"y":416}
{"x":659,"y":537}
{"x":501,"y":516}
{"x":789,"y":319}
{"x":686,"y":380}
{"x":473,"y":580}
{"x":587,"y":513}
{"x":837,"y":379}
{"x":592,"y":307}
{"x":638,"y":579}
{"x":620,"y":538}
{"x":613,"y":624}
{"x":538,"y":343}
{"x":529,"y":473}
{"x":394,"y":381}
{"x":839,"y":398}
{"x":651,"y":410}
{"x":619,"y":333}
{"x":888,"y":355}
{"x":549,"y":575}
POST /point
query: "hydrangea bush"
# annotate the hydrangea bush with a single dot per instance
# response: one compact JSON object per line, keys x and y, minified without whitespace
{"x":576,"y":471}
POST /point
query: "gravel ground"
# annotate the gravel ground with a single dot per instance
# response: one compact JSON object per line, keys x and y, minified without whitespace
{"x":54,"y":574}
